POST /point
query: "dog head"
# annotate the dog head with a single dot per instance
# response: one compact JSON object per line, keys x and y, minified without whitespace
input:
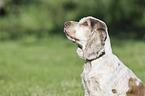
{"x":89,"y":34}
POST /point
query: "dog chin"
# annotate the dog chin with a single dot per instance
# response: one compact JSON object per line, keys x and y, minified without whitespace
{"x":71,"y":39}
{"x":77,"y":43}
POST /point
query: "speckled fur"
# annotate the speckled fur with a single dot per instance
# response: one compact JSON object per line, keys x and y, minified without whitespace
{"x":103,"y":75}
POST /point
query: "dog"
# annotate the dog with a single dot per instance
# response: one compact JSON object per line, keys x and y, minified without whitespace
{"x":104,"y":74}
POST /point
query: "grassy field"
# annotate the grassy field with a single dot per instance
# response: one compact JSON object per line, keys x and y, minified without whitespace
{"x":51,"y":67}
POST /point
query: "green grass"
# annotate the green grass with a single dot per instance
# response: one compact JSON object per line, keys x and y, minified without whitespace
{"x":51,"y":67}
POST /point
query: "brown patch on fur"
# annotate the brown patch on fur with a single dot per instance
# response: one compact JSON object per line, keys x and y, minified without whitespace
{"x":85,"y":23}
{"x":93,"y":22}
{"x":114,"y":91}
{"x":100,"y":28}
{"x":67,"y":24}
{"x":135,"y":90}
{"x":74,"y":32}
{"x":97,"y":25}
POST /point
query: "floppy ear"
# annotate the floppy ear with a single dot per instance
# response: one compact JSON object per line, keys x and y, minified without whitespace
{"x":95,"y":43}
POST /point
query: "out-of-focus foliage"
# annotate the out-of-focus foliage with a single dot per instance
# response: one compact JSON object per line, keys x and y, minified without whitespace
{"x":42,"y":18}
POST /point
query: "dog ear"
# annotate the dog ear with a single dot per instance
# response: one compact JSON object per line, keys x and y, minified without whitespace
{"x":95,"y":43}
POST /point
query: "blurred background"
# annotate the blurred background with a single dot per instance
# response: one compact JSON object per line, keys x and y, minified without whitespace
{"x":36,"y":59}
{"x":42,"y":18}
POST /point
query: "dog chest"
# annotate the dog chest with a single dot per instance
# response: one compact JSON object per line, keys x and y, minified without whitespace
{"x":99,"y":80}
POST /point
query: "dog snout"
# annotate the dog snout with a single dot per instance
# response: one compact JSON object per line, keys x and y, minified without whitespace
{"x":66,"y":24}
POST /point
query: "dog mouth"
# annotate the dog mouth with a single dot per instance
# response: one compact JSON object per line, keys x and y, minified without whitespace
{"x":74,"y":39}
{"x":70,"y":36}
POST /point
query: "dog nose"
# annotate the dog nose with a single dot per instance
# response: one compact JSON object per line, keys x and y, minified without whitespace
{"x":66,"y":24}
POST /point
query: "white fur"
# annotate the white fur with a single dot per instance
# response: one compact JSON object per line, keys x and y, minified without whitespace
{"x":102,"y":75}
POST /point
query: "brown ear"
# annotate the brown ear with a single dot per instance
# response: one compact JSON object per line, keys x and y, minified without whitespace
{"x":95,"y":44}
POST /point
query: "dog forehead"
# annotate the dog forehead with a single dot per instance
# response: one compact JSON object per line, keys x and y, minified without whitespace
{"x":90,"y":18}
{"x":84,"y":19}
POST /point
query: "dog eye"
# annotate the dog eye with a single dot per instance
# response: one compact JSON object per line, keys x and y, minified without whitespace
{"x":85,"y":23}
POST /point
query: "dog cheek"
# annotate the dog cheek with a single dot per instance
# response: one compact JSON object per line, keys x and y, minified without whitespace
{"x":87,"y":34}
